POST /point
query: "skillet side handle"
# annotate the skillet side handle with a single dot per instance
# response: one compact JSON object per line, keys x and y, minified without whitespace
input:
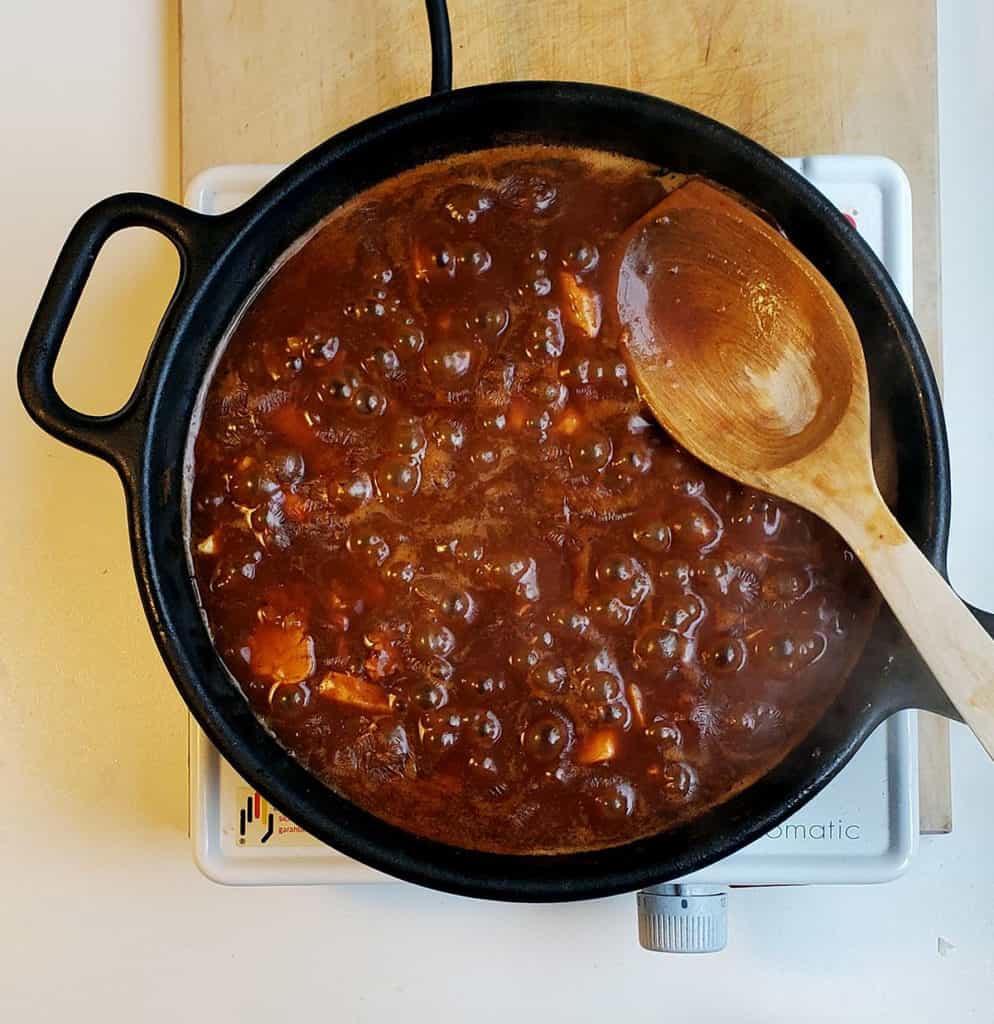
{"x":986,"y":619}
{"x":912,"y":684}
{"x":928,"y":695}
{"x":116,"y":437}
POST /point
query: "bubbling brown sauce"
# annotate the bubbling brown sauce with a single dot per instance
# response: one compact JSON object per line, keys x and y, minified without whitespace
{"x":450,"y":559}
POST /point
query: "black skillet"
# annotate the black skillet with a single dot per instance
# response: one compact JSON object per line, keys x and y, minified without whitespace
{"x":222,"y":260}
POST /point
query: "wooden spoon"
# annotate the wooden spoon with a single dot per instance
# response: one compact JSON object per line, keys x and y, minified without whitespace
{"x":750,"y":359}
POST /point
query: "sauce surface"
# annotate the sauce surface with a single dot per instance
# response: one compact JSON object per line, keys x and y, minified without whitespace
{"x":452,"y":562}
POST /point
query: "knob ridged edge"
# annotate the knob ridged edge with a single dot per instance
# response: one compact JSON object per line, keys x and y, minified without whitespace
{"x":683,"y":919}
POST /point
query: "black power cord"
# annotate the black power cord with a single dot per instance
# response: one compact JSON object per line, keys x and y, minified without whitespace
{"x":441,"y":45}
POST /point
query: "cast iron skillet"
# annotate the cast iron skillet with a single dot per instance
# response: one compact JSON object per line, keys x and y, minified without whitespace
{"x":222,"y":260}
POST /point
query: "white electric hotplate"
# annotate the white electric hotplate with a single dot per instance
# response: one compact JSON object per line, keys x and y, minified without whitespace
{"x":863,"y":827}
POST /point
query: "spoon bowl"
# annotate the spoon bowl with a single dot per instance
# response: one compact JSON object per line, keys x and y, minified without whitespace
{"x":727,"y":320}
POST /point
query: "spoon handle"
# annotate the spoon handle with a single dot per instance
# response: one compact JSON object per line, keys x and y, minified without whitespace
{"x":950,"y":640}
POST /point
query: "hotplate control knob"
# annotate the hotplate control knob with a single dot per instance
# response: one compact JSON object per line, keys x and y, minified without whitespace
{"x":683,"y":918}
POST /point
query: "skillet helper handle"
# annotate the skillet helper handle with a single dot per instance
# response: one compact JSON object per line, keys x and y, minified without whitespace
{"x":954,"y":640}
{"x":986,"y":619}
{"x":115,"y":437}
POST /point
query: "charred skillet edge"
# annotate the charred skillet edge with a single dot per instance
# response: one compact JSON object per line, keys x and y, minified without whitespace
{"x":116,"y":437}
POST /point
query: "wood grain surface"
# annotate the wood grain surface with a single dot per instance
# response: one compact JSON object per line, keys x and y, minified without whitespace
{"x":263,"y":81}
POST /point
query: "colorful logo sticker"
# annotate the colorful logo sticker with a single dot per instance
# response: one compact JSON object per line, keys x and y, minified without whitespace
{"x":261,"y":824}
{"x":256,"y":818}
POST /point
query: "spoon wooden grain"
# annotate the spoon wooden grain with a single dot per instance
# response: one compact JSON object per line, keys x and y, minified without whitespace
{"x":750,"y":359}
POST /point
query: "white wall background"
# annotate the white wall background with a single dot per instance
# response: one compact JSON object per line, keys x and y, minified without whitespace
{"x":966,"y":116}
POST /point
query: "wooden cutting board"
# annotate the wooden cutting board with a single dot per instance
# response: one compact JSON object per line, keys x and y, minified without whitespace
{"x":264,"y":81}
